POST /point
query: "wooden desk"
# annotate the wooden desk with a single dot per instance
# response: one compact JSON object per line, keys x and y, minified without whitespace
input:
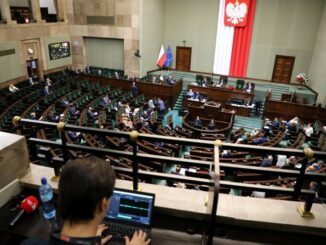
{"x":165,"y":92}
{"x":222,"y":94}
{"x":239,"y":110}
{"x":288,"y":110}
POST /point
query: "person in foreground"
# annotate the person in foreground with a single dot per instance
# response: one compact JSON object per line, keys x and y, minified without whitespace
{"x":85,"y":188}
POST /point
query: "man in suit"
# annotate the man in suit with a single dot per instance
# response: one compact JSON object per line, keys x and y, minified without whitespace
{"x":92,"y":115}
{"x":52,"y":117}
{"x":64,"y":103}
{"x":197,"y":122}
{"x":73,"y":111}
{"x":105,"y":101}
{"x":211,"y":125}
{"x":161,"y":107}
{"x":134,"y":89}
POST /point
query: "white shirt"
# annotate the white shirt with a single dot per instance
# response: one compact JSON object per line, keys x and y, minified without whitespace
{"x":309,"y":131}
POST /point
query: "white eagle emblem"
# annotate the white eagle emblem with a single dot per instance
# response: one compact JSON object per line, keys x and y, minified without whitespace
{"x":236,"y":12}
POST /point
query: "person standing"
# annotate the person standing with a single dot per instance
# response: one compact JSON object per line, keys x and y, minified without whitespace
{"x":161,"y":107}
{"x":134,"y":89}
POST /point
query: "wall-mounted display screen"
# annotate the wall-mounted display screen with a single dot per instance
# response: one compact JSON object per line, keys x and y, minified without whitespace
{"x":59,"y":50}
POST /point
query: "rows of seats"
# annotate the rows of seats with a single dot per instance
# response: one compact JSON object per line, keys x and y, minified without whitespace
{"x":84,"y":95}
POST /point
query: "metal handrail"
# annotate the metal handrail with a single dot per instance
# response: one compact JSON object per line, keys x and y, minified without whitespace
{"x":214,"y":182}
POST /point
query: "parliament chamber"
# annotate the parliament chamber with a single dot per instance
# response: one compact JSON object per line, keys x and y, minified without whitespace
{"x":232,"y":155}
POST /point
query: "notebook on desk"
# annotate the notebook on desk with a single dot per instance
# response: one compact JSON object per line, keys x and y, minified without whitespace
{"x":129,"y":211}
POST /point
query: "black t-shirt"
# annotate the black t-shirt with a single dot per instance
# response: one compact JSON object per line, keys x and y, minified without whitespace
{"x":58,"y":239}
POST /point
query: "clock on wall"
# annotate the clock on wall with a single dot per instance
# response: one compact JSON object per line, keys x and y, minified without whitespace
{"x":30,"y":51}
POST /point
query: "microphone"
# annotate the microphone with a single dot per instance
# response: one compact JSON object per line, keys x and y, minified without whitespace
{"x":28,"y":205}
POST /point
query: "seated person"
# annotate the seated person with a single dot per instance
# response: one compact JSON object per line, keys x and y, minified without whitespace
{"x":161,"y":78}
{"x":170,"y":81}
{"x":267,"y":161}
{"x":211,"y":125}
{"x":243,"y":138}
{"x":64,"y":103}
{"x":249,"y":103}
{"x":316,"y":166}
{"x":260,"y":140}
{"x":294,"y":121}
{"x":73,"y":111}
{"x":153,"y":79}
{"x":204,"y":82}
{"x":197,"y":96}
{"x":127,"y":110}
{"x":105,"y":101}
{"x":249,"y":87}
{"x":51,"y":117}
{"x":94,"y":179}
{"x":13,"y":89}
{"x":290,"y":163}
{"x":274,"y":124}
{"x":309,"y":130}
{"x":75,"y":136}
{"x":255,"y":132}
{"x":146,"y":117}
{"x":33,"y":116}
{"x":223,"y":81}
{"x":126,"y":122}
{"x":91,"y":114}
{"x":281,"y":161}
{"x":226,"y":154}
{"x":190,"y":94}
{"x":197,"y":122}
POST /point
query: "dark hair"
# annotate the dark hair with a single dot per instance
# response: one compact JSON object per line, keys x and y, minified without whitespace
{"x":84,"y":182}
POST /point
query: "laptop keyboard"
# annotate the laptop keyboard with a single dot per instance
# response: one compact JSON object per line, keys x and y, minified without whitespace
{"x":118,"y":232}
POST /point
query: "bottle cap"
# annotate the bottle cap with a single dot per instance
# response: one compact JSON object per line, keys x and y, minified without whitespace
{"x":44,"y":181}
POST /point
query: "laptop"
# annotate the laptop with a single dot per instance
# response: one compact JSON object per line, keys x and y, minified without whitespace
{"x":129,"y":211}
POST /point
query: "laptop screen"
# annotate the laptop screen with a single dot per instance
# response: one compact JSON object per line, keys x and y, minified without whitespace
{"x":131,"y":207}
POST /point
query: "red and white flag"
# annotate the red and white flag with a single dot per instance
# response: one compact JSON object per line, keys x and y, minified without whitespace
{"x":161,"y":57}
{"x":236,"y":12}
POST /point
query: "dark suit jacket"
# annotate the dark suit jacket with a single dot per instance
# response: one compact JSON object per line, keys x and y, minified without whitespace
{"x":134,"y":91}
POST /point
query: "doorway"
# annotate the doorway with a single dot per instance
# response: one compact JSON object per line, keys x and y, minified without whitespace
{"x":183,"y":59}
{"x":32,"y":68}
{"x":283,"y":68}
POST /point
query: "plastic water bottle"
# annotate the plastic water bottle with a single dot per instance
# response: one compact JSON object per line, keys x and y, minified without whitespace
{"x":46,"y":195}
